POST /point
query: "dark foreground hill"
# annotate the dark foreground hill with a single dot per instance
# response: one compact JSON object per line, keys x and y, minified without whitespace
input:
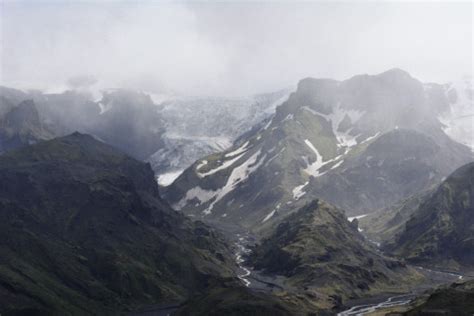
{"x":84,"y":231}
{"x":441,"y":231}
{"x":322,"y":254}
{"x":454,"y":300}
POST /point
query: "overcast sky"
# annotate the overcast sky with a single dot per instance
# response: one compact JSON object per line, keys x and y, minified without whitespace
{"x":228,"y":48}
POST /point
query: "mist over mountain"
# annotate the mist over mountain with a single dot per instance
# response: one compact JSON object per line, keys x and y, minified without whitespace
{"x":361,"y":144}
{"x":209,"y":158}
{"x":377,"y":144}
{"x":171,"y":132}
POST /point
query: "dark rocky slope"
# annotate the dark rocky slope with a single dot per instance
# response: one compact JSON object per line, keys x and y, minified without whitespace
{"x":84,"y":231}
{"x":441,"y":231}
{"x":454,"y":300}
{"x":321,"y":253}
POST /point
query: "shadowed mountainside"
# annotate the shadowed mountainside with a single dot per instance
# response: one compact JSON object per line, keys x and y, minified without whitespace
{"x":84,"y":231}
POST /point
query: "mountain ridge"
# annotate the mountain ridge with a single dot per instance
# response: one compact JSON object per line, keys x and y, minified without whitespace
{"x":325,"y":134}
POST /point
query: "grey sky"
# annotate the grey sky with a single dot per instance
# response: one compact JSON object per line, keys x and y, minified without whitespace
{"x":228,"y":48}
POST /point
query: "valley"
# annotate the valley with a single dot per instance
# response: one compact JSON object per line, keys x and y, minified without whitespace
{"x":312,"y":201}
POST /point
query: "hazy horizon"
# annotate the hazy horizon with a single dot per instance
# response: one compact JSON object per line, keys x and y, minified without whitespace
{"x":230,"y":49}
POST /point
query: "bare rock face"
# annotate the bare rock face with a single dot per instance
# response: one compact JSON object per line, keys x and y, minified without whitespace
{"x":21,"y":126}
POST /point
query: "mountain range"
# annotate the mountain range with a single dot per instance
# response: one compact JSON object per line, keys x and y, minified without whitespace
{"x":169,"y":131}
{"x":286,"y":203}
{"x":361,"y":144}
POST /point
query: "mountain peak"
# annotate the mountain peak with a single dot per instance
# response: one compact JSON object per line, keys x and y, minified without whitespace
{"x":23,"y":113}
{"x":395,"y":72}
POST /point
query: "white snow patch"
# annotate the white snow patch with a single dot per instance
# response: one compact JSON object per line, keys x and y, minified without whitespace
{"x":196,"y":193}
{"x":344,"y":139}
{"x":166,"y":179}
{"x":368,"y":139}
{"x":226,"y":164}
{"x":338,"y":164}
{"x":313,"y":169}
{"x":298,"y":191}
{"x":201,"y":164}
{"x":350,"y":219}
{"x":239,"y":174}
{"x":239,"y":150}
{"x":270,"y":215}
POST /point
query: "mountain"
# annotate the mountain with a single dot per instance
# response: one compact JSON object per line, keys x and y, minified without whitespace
{"x":382,"y":226}
{"x":361,"y":144}
{"x":125,"y":119}
{"x":321,"y":253}
{"x":441,"y":231}
{"x":20,"y":126}
{"x":239,"y":301}
{"x":84,"y":231}
{"x":130,"y":121}
{"x":454,"y":300}
{"x":171,"y":132}
{"x":199,"y":126}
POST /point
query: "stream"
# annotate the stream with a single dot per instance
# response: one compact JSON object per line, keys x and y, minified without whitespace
{"x":252,"y":278}
{"x":242,"y":250}
{"x":360,"y":310}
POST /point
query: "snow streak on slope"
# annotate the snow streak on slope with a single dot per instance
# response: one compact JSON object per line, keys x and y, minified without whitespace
{"x":313,"y":169}
{"x":298,"y":191}
{"x":239,"y":174}
{"x":201,"y":164}
{"x":166,"y":179}
{"x":224,"y":165}
{"x":269,"y":216}
{"x":239,"y":150}
{"x":344,"y":138}
{"x":350,"y":219}
{"x":198,"y":193}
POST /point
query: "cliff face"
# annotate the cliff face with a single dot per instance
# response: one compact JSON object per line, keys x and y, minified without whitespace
{"x":21,"y":126}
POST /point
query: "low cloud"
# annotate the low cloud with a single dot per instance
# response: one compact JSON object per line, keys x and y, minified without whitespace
{"x":227,"y":48}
